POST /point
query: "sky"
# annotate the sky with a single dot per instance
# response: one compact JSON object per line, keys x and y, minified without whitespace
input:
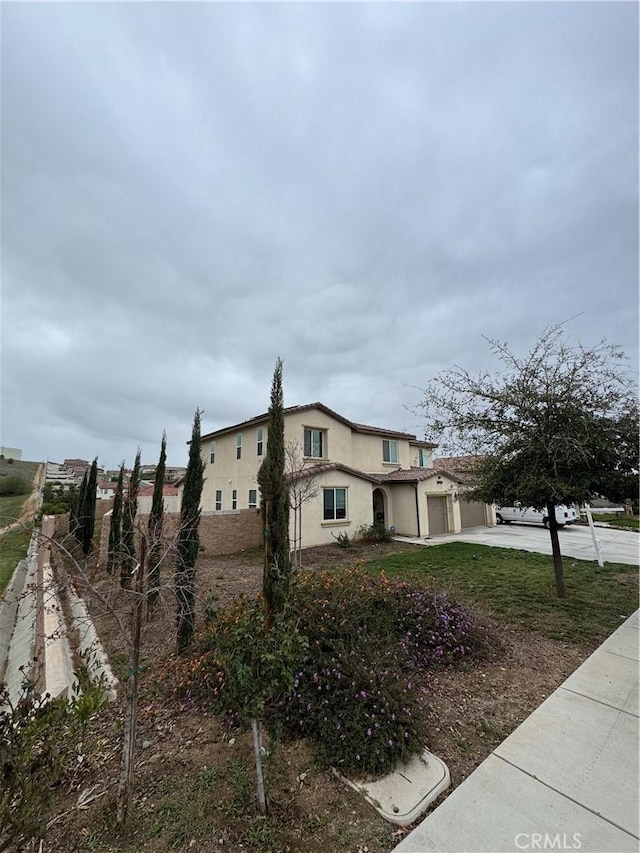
{"x":367,"y":190}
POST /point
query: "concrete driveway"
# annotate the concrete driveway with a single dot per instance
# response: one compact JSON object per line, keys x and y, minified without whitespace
{"x":617,"y":546}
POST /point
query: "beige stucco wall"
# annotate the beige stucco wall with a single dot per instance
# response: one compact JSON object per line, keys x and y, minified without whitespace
{"x":404,"y":510}
{"x":317,"y":531}
{"x":367,"y":454}
{"x":171,"y":503}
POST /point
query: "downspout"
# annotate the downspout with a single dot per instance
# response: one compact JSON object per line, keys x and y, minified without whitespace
{"x":415,"y":486}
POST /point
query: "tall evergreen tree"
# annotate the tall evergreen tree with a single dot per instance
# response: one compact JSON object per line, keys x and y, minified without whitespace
{"x":90,"y":507}
{"x":188,"y":540}
{"x":115,"y":531}
{"x":275,"y":506}
{"x":129,"y":512}
{"x":155,"y":529}
{"x":78,"y":514}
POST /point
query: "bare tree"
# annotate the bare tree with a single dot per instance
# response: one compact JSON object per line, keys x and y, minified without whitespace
{"x":303,"y":487}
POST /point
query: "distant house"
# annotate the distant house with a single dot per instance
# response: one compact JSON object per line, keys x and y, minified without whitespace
{"x":170,"y":498}
{"x":362,"y":475}
{"x":107,"y":490}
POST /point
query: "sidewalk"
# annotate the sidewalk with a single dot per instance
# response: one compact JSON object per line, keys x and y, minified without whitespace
{"x":566,"y":779}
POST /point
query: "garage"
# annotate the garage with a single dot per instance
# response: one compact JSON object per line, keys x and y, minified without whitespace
{"x":472,"y":514}
{"x":437,"y":515}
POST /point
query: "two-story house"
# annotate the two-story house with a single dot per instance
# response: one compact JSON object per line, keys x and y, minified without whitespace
{"x":359,"y":475}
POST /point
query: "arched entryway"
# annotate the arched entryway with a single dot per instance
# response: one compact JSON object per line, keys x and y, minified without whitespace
{"x":379,"y":507}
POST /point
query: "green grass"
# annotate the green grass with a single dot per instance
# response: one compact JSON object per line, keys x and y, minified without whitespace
{"x":518,"y":587}
{"x":10,"y":509}
{"x":13,"y":548}
{"x":628,"y":521}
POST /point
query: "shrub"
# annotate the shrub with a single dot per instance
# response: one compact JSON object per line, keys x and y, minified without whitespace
{"x":375,"y":533}
{"x":361,"y":715}
{"x":343,"y":673}
{"x":13,"y":485}
{"x":245,"y":670}
{"x":343,"y":539}
{"x":32,"y":757}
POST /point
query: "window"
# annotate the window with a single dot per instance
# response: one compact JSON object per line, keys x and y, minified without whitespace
{"x":314,"y":443}
{"x":423,"y":458}
{"x":335,"y":504}
{"x":234,"y":499}
{"x":259,"y":442}
{"x":239,"y":446}
{"x":253,"y":498}
{"x":389,"y":450}
{"x":212,"y":452}
{"x":219,"y":499}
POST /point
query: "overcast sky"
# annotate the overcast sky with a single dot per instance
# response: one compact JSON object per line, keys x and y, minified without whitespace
{"x":191,"y":190}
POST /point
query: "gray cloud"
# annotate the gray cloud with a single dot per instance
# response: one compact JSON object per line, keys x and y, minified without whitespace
{"x":190,"y":190}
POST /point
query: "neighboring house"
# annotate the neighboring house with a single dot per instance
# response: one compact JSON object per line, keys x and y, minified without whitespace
{"x":56,"y":473}
{"x":362,"y":474}
{"x":104,"y":491}
{"x":170,"y":499}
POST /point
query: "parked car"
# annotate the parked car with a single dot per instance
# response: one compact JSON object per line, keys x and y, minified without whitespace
{"x":564,"y":515}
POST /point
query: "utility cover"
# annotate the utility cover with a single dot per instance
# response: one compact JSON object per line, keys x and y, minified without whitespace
{"x":402,"y":796}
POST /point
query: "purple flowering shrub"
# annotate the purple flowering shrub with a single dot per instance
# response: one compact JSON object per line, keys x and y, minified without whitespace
{"x":360,"y":715}
{"x":367,"y":635}
{"x":338,"y":668}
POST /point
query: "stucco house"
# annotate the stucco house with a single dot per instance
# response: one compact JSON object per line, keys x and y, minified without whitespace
{"x":361,"y":474}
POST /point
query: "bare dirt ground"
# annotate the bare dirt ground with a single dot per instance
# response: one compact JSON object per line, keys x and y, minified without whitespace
{"x":194,"y":787}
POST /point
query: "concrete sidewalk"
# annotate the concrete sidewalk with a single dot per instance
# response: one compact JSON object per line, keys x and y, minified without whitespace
{"x":566,"y":779}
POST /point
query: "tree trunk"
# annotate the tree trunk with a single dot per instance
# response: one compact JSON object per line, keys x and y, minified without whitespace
{"x":125,"y":783}
{"x":555,"y":549}
{"x":256,"y":729}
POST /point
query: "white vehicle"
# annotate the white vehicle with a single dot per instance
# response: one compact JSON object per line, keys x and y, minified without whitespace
{"x":507,"y":514}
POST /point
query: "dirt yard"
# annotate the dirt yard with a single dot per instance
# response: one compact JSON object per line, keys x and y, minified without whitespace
{"x":194,"y":785}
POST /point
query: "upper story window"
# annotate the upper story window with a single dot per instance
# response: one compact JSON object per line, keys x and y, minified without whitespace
{"x":314,"y":443}
{"x":212,"y":452}
{"x":334,"y":504}
{"x":218,"y":499}
{"x":423,"y":457}
{"x":239,"y":446}
{"x":389,"y":450}
{"x":259,"y":441}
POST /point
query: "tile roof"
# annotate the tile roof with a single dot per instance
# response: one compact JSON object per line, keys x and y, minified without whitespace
{"x":291,"y":410}
{"x":167,"y":491}
{"x":416,"y":475}
{"x":323,"y":467}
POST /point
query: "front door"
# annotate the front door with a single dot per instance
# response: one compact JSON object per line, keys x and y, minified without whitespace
{"x":378,"y":507}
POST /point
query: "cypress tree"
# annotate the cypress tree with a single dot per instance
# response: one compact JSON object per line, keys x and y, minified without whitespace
{"x":90,"y":508}
{"x":78,"y":515}
{"x":188,"y":540}
{"x":275,"y":507}
{"x":115,"y":531}
{"x":129,"y":511}
{"x":155,"y":529}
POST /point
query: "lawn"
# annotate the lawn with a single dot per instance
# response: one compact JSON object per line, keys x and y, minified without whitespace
{"x":628,"y":522}
{"x":13,"y":548}
{"x":518,"y":587}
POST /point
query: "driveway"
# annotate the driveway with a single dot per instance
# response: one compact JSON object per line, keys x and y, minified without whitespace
{"x":616,"y":546}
